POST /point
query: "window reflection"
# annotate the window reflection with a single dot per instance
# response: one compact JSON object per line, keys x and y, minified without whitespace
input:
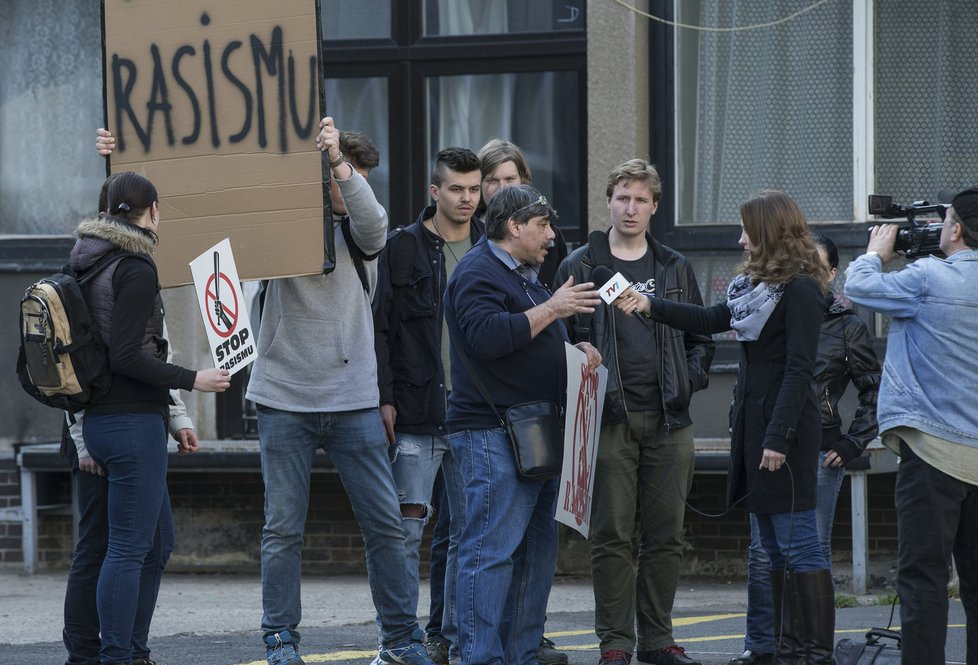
{"x":363,"y":19}
{"x":482,"y":17}
{"x":361,"y":104}
{"x":536,"y":110}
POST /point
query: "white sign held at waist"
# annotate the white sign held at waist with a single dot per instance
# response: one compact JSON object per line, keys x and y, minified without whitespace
{"x":222,"y":306}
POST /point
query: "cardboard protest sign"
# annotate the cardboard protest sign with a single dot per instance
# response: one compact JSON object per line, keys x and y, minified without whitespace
{"x":582,"y":424}
{"x":222,"y":307}
{"x":218,"y":103}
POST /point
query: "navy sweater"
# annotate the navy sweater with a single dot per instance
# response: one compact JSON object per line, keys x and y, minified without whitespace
{"x":485,"y":303}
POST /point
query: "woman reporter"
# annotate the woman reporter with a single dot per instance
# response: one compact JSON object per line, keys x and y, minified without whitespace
{"x":775,"y":306}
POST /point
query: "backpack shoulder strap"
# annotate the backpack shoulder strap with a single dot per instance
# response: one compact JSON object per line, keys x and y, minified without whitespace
{"x":356,"y":254}
{"x":111,"y":257}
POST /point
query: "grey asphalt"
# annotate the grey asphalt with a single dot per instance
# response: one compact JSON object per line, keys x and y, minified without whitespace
{"x":212,"y":620}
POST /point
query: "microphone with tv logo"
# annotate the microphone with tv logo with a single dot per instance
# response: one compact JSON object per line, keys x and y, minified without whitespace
{"x":613,"y":284}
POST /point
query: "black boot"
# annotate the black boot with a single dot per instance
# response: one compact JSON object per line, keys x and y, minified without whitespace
{"x":817,"y":595}
{"x":787,"y":620}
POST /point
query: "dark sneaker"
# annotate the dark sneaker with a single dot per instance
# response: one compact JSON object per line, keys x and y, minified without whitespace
{"x":412,"y":652}
{"x":672,"y":655}
{"x":143,"y":661}
{"x":752,"y":658}
{"x":548,"y":654}
{"x":280,"y":649}
{"x":438,"y":648}
{"x":615,"y":657}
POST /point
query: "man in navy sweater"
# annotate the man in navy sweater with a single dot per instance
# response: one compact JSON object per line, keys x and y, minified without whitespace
{"x":509,"y":328}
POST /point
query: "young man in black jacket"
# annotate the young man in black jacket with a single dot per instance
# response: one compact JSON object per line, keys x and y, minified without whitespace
{"x":645,"y":455}
{"x":412,"y":358}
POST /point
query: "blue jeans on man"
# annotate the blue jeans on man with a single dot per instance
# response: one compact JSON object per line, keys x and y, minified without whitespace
{"x":507,"y":555}
{"x":760,"y":637}
{"x":357,"y":447}
{"x":417,"y":459}
{"x":131,"y":447}
{"x":438,"y":560}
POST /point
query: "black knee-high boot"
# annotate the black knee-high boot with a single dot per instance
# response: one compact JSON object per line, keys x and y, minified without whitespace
{"x":816,"y":595}
{"x":787,"y":619}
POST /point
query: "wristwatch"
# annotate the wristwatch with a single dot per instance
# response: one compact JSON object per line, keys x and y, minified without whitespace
{"x":873,"y":252}
{"x":339,"y":160}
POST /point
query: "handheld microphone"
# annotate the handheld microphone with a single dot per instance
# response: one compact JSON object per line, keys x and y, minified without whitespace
{"x":612,"y":284}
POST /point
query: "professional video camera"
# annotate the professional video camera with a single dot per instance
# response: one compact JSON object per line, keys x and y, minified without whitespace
{"x":918,"y":239}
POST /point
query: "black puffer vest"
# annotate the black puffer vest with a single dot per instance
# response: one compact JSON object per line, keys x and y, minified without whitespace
{"x":96,"y":238}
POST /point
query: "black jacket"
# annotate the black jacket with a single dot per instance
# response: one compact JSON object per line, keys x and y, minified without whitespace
{"x":775,"y":405}
{"x":845,"y":353}
{"x":408,"y":322}
{"x":684,"y":359}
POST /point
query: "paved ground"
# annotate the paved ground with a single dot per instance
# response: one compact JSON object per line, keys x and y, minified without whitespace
{"x":211,"y":620}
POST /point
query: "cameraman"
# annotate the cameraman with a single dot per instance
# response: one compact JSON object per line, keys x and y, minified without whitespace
{"x":926,"y":416}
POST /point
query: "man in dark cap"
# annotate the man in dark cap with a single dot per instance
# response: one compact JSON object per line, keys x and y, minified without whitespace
{"x":931,"y":355}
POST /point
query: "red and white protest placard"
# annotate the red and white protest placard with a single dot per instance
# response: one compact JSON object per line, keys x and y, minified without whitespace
{"x":582,"y":425}
{"x":222,"y":307}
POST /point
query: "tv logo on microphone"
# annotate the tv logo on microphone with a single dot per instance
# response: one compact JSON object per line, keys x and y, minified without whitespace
{"x":613,"y":288}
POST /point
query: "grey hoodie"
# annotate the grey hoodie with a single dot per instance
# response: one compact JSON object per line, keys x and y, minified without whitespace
{"x":316,"y":339}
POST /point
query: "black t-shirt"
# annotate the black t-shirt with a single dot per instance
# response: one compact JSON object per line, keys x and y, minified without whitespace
{"x":637,"y":348}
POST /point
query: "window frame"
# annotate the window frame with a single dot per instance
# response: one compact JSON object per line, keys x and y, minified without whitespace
{"x":409,"y":58}
{"x":848,"y":234}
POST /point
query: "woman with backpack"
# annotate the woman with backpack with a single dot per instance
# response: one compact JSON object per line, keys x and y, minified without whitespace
{"x":125,"y":430}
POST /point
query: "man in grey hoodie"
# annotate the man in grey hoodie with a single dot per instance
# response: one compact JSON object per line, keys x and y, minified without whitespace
{"x":315,"y":384}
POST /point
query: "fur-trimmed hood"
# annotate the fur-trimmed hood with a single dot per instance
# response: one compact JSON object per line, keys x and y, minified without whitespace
{"x":98,"y":236}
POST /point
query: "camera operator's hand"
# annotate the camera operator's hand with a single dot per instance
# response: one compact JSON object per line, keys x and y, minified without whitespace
{"x":881,"y":240}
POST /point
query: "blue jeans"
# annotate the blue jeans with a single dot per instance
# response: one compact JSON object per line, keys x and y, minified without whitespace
{"x":760,"y":612}
{"x":357,"y":446}
{"x":417,"y":460}
{"x":507,"y":555}
{"x":438,"y":561}
{"x":81,"y":630}
{"x":131,"y":448}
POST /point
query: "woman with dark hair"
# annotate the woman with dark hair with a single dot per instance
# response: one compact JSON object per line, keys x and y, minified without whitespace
{"x":126,"y":429}
{"x":775,"y":306}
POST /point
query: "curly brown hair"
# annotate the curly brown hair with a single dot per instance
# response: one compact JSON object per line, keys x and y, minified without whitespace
{"x":783,"y":245}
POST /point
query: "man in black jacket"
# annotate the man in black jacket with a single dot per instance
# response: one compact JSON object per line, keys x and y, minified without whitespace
{"x":412,"y":357}
{"x":645,"y":452}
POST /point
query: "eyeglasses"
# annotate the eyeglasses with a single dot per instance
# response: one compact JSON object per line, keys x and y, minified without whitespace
{"x":540,"y":201}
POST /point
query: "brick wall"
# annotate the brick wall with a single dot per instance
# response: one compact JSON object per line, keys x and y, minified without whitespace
{"x":10,"y":533}
{"x":218,"y":520}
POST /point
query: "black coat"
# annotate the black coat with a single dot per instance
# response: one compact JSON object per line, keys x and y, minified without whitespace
{"x":775,"y":404}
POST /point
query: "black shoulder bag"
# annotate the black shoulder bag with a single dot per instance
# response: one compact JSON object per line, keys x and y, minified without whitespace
{"x":535,"y":430}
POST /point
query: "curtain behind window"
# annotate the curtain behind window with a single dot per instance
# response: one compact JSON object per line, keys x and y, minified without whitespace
{"x":763,"y":109}
{"x":926,"y":98}
{"x":538,"y":111}
{"x":50,"y":106}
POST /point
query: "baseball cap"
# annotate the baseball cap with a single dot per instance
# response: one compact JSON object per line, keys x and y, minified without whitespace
{"x":965,"y":205}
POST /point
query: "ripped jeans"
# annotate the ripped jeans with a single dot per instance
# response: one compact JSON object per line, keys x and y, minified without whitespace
{"x":415,"y":461}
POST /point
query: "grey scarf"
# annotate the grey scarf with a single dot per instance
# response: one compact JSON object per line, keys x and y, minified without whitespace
{"x":750,"y":306}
